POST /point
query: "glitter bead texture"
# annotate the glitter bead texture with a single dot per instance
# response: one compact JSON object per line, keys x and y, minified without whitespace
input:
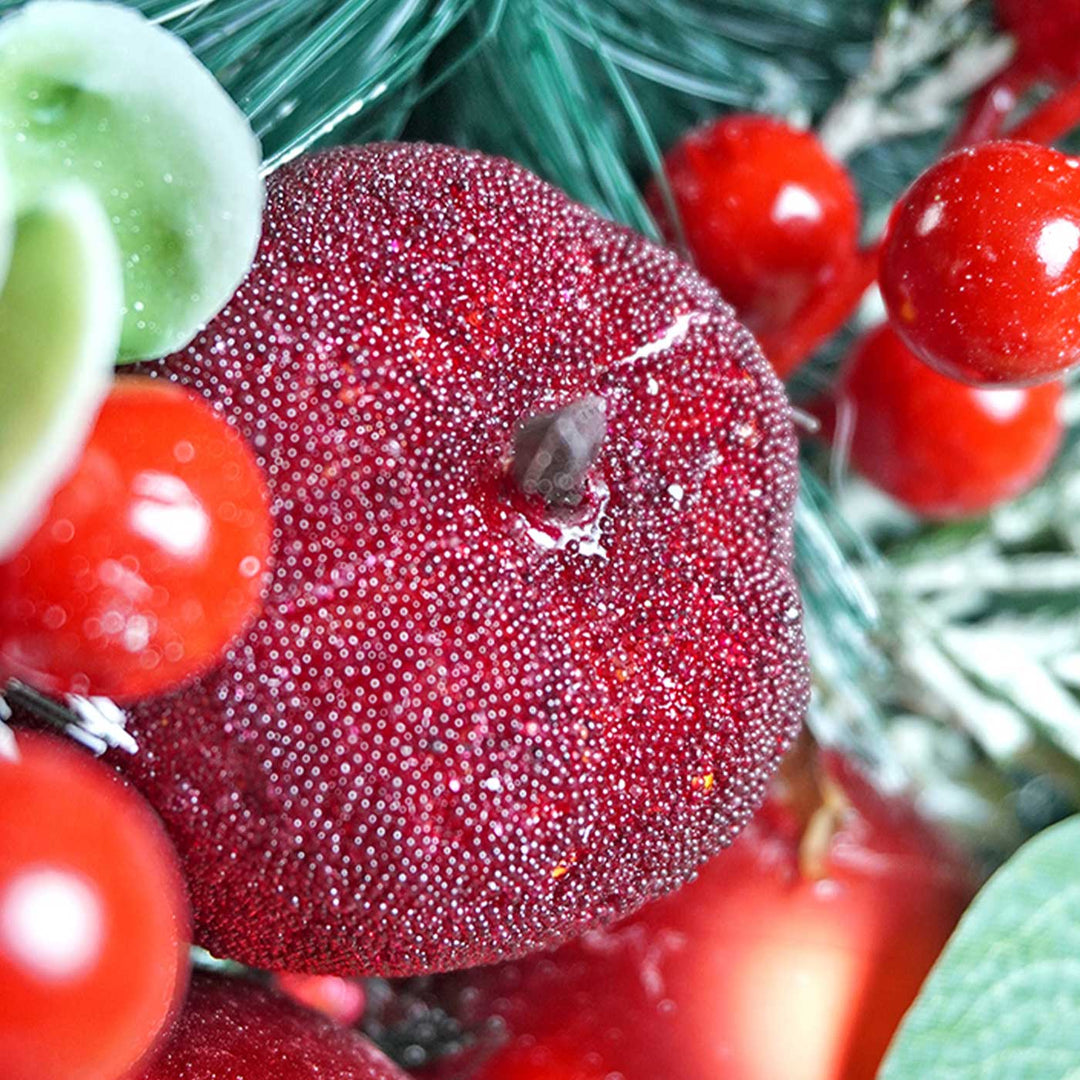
{"x":469,"y":725}
{"x":232,"y":1030}
{"x":757,"y":970}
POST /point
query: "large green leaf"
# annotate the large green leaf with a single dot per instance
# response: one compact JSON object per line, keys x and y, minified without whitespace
{"x":1003,"y":1002}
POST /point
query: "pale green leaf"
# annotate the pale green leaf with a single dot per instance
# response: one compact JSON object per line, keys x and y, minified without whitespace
{"x":1003,"y":1002}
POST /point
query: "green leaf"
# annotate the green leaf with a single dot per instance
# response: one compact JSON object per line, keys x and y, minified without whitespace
{"x":59,"y":327}
{"x":1003,"y":1002}
{"x":96,"y":92}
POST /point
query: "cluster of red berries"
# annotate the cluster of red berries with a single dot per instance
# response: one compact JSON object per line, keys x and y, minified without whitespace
{"x":956,"y":408}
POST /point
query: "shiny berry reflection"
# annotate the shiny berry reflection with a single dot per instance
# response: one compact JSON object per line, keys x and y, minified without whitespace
{"x":980,"y":268}
{"x":769,"y":217}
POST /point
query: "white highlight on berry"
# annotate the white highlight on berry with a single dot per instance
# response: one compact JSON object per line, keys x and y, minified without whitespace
{"x":796,"y":203}
{"x":931,"y":218}
{"x":1057,"y":244}
{"x":169,"y":514}
{"x":1002,"y":405}
{"x":51,"y":923}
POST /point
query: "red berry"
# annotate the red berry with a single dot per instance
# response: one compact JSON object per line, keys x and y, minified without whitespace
{"x":943,"y":448}
{"x":151,"y":557}
{"x":770,"y":218}
{"x":980,"y":267}
{"x":341,"y":999}
{"x":234,"y":1030}
{"x":93,"y":918}
{"x":1047,"y":33}
{"x":468,"y":723}
{"x":754,"y":971}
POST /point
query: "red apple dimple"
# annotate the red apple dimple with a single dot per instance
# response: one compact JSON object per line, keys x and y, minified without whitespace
{"x":470,"y":724}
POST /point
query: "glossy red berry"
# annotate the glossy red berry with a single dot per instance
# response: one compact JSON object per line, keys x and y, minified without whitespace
{"x":943,"y":448}
{"x":1047,"y":34}
{"x":980,"y":268}
{"x":470,"y":722}
{"x":93,"y":918}
{"x":770,"y":219}
{"x":234,"y":1030}
{"x":758,"y":970}
{"x":151,"y":558}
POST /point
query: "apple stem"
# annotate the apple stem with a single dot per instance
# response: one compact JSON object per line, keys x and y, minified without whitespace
{"x":818,"y":802}
{"x":554,"y":451}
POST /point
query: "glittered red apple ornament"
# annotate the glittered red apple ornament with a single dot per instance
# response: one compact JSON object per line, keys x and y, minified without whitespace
{"x":233,"y":1030}
{"x":533,"y":643}
{"x":792,"y":957}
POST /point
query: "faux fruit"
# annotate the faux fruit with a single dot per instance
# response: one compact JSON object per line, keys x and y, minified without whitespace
{"x":980,"y":268}
{"x":93,"y":918}
{"x":151,"y":558}
{"x":770,"y":219}
{"x":233,"y":1030}
{"x":794,"y":955}
{"x":60,"y":306}
{"x":98,"y":93}
{"x":941,"y":447}
{"x":533,"y":644}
